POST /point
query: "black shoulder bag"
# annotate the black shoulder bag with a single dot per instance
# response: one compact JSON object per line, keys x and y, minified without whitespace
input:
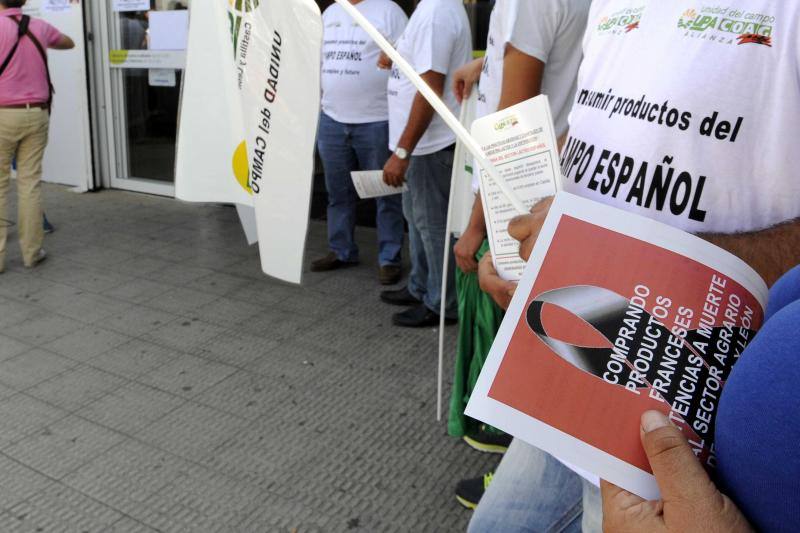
{"x":21,"y":31}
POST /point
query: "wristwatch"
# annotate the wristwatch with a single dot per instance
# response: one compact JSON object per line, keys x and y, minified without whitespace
{"x":401,"y":153}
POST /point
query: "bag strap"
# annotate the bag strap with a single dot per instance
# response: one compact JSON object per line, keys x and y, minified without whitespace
{"x":21,"y":31}
{"x":43,"y":53}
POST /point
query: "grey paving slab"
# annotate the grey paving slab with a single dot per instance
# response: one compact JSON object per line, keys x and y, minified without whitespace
{"x":131,"y":407}
{"x":23,"y":415}
{"x":32,"y":367}
{"x":86,"y":343}
{"x":63,"y":446}
{"x":153,"y":379}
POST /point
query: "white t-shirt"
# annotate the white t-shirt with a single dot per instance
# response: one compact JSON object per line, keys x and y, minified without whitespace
{"x":353,"y":87}
{"x":549,"y":30}
{"x":688,"y":112}
{"x":437,"y":39}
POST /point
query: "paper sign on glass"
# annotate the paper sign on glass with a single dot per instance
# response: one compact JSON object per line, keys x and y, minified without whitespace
{"x":131,"y":5}
{"x":521,"y":142}
{"x":617,"y":314}
{"x":168,"y":30}
{"x":369,"y":184}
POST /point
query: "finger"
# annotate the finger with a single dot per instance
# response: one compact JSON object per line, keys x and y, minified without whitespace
{"x":521,"y":227}
{"x":679,"y":474}
{"x":468,"y":84}
{"x":615,"y":497}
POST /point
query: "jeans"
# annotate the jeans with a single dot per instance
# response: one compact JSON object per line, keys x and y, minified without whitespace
{"x":425,"y":207}
{"x":532,"y":492}
{"x":344,"y":148}
{"x":23,"y":133}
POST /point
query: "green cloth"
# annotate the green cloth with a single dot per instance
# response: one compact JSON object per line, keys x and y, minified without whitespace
{"x":479,"y":320}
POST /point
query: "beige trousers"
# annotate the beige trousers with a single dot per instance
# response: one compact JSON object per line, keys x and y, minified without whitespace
{"x":23,"y":133}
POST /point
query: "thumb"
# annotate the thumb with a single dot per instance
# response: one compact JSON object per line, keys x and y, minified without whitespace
{"x":680,"y":475}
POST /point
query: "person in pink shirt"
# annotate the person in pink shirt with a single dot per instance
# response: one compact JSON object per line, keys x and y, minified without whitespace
{"x":25,"y":99}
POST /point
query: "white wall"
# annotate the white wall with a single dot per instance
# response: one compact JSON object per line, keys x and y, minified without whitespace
{"x":68,"y":159}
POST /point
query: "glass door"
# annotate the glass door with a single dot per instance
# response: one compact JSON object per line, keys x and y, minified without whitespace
{"x":146,"y":53}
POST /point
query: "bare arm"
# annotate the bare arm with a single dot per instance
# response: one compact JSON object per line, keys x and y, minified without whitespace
{"x":64,"y":43}
{"x":522,"y":80}
{"x":394,"y":172}
{"x":771,"y":252}
{"x":522,"y":77}
{"x":421,"y":112}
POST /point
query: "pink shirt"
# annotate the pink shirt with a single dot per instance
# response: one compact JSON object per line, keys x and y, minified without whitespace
{"x":25,"y":79}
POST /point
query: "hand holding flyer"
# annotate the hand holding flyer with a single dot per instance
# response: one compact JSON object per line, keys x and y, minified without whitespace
{"x":369,"y":184}
{"x":615,"y":315}
{"x":521,"y":143}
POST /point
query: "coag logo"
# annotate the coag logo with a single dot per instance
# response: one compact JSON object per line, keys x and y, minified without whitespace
{"x":728,"y":25}
{"x":508,"y":122}
{"x":621,"y":22}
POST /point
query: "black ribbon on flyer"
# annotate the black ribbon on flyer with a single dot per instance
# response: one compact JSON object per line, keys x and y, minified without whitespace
{"x":685,"y":369}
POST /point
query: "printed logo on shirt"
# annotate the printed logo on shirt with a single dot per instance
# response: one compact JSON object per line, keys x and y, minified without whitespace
{"x":621,"y":21}
{"x":728,"y":25}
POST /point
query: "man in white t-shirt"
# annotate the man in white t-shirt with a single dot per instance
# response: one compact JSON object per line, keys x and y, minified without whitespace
{"x":436,"y":42}
{"x":687,"y":113}
{"x":354,"y":132}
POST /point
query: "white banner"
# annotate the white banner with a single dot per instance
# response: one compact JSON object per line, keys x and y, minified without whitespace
{"x":212,"y":158}
{"x":280,"y":109}
{"x":249,"y":118}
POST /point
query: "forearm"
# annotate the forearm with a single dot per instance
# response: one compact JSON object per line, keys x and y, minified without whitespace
{"x":477,"y":223}
{"x":771,"y":252}
{"x":418,"y":121}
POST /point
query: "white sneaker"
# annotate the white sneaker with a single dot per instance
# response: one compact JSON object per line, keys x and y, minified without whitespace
{"x":40,"y":257}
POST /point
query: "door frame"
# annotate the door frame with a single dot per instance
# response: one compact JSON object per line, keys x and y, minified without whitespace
{"x":110,"y":149}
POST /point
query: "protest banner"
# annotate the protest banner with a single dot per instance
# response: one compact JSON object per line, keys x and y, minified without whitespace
{"x":617,"y":314}
{"x":249,"y":118}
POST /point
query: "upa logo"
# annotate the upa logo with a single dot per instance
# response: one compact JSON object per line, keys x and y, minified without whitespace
{"x":727,"y":25}
{"x":621,"y":22}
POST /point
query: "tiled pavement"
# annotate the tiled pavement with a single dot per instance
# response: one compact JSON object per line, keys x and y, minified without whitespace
{"x":151,"y":379}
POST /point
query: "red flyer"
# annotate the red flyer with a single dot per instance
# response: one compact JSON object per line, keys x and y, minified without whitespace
{"x":617,"y":314}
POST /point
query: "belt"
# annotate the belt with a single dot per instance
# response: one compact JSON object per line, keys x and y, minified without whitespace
{"x":38,"y":105}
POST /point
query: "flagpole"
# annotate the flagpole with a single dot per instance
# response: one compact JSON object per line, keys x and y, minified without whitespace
{"x":436,"y":102}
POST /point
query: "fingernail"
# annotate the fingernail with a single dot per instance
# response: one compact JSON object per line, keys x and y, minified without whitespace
{"x":653,"y":420}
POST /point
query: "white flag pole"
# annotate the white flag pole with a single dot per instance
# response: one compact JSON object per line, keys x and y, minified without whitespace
{"x":438,"y":105}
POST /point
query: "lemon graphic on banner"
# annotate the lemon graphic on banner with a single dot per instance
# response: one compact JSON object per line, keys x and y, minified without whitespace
{"x":241,"y":167}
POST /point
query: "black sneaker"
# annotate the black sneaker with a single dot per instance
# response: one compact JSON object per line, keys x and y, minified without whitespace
{"x":399,"y":297}
{"x":419,"y":316}
{"x":487,"y":441}
{"x":470,"y":491}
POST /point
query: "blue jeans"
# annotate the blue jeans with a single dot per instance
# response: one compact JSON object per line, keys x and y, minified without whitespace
{"x":344,"y":148}
{"x":532,"y":492}
{"x":425,"y":207}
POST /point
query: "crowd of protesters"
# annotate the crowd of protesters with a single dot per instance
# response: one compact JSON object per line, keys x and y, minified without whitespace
{"x":745,"y":190}
{"x":747,"y":201}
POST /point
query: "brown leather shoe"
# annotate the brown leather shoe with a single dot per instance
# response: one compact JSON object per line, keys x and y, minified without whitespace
{"x":390,"y":274}
{"x":328,"y":263}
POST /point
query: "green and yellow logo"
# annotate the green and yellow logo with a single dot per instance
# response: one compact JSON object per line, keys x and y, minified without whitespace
{"x":508,"y":122}
{"x":237,"y":9}
{"x":621,"y":22}
{"x":727,"y":25}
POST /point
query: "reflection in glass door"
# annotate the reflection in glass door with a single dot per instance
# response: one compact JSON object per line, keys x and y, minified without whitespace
{"x":147,"y":51}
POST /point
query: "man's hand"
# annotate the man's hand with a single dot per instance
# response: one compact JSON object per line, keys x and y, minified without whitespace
{"x":492,"y":284}
{"x":394,"y":172}
{"x":526,"y":228}
{"x":384,"y":62}
{"x":465,"y":78}
{"x":690,"y":503}
{"x":466,"y":248}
